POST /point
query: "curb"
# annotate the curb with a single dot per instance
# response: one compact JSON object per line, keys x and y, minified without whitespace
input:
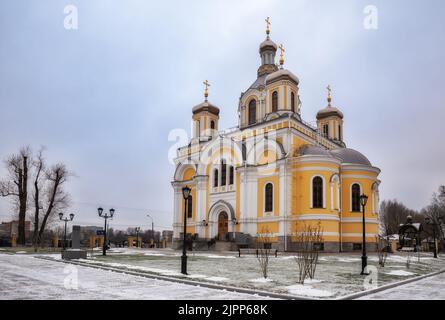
{"x":264,"y":294}
{"x":388,"y":286}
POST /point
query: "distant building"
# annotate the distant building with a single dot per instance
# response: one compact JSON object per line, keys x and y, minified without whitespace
{"x":87,"y":231}
{"x":7,"y":229}
{"x":167,"y":235}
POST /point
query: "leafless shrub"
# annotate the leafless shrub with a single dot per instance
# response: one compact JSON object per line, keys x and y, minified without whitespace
{"x":263,"y":247}
{"x":308,"y":240}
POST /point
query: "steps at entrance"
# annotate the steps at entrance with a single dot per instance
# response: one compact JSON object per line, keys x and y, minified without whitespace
{"x":222,"y":246}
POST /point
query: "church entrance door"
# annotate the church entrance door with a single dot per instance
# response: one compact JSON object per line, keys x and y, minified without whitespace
{"x":223,"y":226}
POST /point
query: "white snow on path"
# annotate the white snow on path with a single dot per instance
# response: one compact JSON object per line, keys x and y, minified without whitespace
{"x":25,"y":277}
{"x":430,"y":288}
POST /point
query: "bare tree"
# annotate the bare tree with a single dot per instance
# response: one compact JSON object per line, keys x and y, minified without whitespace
{"x":436,"y":212}
{"x":16,"y":186}
{"x":54,"y":198}
{"x":263,"y":247}
{"x":393,"y":214}
{"x":309,"y":239}
{"x":39,"y":168}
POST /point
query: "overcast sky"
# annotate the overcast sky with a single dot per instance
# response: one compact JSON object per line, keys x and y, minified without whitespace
{"x":103,"y":98}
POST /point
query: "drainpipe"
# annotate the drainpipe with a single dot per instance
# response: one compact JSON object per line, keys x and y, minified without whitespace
{"x":340,"y":210}
{"x":285,"y":184}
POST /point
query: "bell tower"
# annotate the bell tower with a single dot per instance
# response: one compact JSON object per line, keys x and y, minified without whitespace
{"x":205,"y":118}
{"x":268,"y":50}
{"x":330,"y":120}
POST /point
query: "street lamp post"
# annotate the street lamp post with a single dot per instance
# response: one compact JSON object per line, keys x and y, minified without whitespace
{"x":434,"y":224}
{"x":105,"y":216}
{"x":66,"y":220}
{"x":363,"y":201}
{"x":137,"y":236}
{"x":186,"y":194}
{"x":152,"y":229}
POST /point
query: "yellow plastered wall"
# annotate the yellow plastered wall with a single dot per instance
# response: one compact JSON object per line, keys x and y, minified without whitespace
{"x":188,"y":174}
{"x":365,"y":187}
{"x":301,"y":189}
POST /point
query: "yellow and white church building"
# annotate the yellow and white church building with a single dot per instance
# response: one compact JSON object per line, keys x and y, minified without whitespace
{"x":274,"y":172}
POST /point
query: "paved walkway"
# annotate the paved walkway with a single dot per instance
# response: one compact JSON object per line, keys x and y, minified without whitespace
{"x":25,"y":277}
{"x":431,"y":288}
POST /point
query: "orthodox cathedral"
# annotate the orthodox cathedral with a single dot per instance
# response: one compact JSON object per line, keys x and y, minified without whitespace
{"x":274,"y":173}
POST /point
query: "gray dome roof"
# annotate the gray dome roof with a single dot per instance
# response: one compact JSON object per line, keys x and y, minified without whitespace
{"x":268,"y":44}
{"x":281,"y":75}
{"x":329,"y":111}
{"x":350,"y":156}
{"x":206,"y":106}
{"x":311,"y":150}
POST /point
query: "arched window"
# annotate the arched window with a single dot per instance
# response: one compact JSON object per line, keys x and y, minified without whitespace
{"x":292,"y":102}
{"x":212,"y":125}
{"x":231,"y":175}
{"x":274,"y":101}
{"x":339,"y":132}
{"x":223,"y":173}
{"x":252,"y":111}
{"x":268,"y":198}
{"x":215,"y":178}
{"x":355,"y":197}
{"x":198,"y":128}
{"x":326,"y":130}
{"x":317,"y":192}
{"x":190,"y":207}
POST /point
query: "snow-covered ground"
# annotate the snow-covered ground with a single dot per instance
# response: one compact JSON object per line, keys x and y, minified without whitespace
{"x":337,"y":274}
{"x":26,"y":277}
{"x":431,"y":288}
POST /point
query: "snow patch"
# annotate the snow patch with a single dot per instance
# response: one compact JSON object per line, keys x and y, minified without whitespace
{"x":154,"y":254}
{"x":213,"y":256}
{"x":305,"y":290}
{"x":20,"y":252}
{"x":217,"y":279}
{"x":309,"y":281}
{"x":261,"y":280}
{"x":401,"y":273}
{"x":197,"y":276}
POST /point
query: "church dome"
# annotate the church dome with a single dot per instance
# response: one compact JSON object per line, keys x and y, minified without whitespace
{"x":329,"y":111}
{"x":347,"y":155}
{"x":206,"y":106}
{"x":282,"y":74}
{"x":311,"y":150}
{"x":268,"y":44}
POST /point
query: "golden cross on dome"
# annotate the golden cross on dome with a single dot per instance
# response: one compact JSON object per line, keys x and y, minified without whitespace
{"x":281,"y":47}
{"x":206,"y":90}
{"x":267,"y":25}
{"x":329,"y":94}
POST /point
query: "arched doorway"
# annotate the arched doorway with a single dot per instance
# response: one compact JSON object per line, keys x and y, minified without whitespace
{"x":223,"y":226}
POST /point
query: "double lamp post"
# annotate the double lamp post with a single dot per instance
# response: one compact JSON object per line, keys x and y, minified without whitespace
{"x":71,"y":217}
{"x":106,"y":216}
